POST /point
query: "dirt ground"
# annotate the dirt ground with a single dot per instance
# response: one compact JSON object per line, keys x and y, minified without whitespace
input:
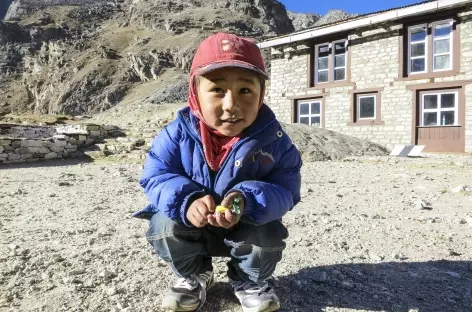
{"x":371,"y":234}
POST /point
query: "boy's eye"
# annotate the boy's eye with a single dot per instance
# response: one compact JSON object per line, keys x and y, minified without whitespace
{"x":245,"y":90}
{"x":218,"y":90}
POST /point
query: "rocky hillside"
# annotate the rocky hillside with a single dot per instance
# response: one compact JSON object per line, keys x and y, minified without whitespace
{"x":79,"y":57}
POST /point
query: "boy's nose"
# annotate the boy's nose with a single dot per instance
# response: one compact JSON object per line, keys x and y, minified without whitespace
{"x":229,"y":101}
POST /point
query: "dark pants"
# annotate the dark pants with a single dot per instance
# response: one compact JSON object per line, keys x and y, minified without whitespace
{"x":254,"y":249}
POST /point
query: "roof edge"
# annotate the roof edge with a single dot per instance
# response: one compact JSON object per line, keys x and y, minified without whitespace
{"x":420,"y":9}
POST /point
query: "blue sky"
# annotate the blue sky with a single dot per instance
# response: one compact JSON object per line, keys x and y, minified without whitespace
{"x":351,"y":6}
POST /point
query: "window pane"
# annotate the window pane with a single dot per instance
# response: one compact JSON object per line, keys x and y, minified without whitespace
{"x":447,"y":118}
{"x":304,"y":109}
{"x":315,"y":121}
{"x":305,"y":120}
{"x":339,"y":48}
{"x":340,"y":61}
{"x":418,"y":34}
{"x":417,"y":49}
{"x":442,"y":30}
{"x":417,"y":65}
{"x":430,"y":101}
{"x":442,"y":62}
{"x":448,"y":100}
{"x":441,"y":46}
{"x":323,"y":50}
{"x":430,"y":119}
{"x":322,"y":63}
{"x":339,"y":74}
{"x":323,"y":76}
{"x":315,"y":108}
{"x":367,"y":107}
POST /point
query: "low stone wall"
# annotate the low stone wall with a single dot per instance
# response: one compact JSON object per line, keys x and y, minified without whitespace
{"x":28,"y":143}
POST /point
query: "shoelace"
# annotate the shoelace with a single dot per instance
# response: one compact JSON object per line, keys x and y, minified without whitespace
{"x":252,"y":288}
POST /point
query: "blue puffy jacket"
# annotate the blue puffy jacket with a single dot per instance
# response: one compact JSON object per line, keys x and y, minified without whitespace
{"x":264,"y":165}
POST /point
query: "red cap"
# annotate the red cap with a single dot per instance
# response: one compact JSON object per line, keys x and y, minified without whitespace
{"x":227,"y":50}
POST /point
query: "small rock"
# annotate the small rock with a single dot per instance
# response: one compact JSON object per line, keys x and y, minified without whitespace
{"x":452,"y":253}
{"x":108,"y":275}
{"x":13,"y":246}
{"x":64,"y":183}
{"x":375,"y":257}
{"x":422,"y":204}
{"x":461,"y":188}
{"x":339,"y":195}
{"x":76,"y":272}
{"x":111,"y":291}
{"x":52,"y":195}
{"x":320,"y":277}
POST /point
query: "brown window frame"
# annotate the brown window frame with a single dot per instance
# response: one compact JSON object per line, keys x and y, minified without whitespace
{"x":429,"y":49}
{"x":355,"y":94}
{"x":312,"y":68}
{"x":417,"y":89}
{"x":315,"y":97}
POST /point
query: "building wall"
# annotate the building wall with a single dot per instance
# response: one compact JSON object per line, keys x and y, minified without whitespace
{"x":375,"y":58}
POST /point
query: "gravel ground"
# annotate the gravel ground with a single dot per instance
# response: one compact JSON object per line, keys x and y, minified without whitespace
{"x":371,"y":234}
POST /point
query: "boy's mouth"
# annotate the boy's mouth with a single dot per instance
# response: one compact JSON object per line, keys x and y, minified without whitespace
{"x":231,"y":120}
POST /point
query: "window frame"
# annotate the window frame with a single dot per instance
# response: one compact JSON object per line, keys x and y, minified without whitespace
{"x":438,"y":110}
{"x":355,"y":96}
{"x":313,"y":82}
{"x":426,"y":47}
{"x":430,"y":71}
{"x":321,"y":97}
{"x":358,"y":104}
{"x":451,"y":44}
{"x":310,"y":114}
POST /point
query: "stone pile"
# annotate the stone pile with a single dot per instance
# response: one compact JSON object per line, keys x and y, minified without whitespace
{"x":19,"y":143}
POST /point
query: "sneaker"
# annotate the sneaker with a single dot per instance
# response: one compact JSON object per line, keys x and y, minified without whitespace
{"x":189,"y":294}
{"x":255,"y":297}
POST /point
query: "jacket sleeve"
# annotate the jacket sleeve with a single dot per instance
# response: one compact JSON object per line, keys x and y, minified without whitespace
{"x":164,"y":180}
{"x":279,"y":192}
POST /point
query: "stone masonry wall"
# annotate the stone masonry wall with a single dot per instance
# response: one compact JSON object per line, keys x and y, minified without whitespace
{"x":374,"y":64}
{"x":20,"y":143}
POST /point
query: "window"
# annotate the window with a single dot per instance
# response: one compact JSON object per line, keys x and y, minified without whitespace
{"x":309,"y":112}
{"x":330,"y":62}
{"x":439,"y":108}
{"x":430,"y":48}
{"x":365,"y":107}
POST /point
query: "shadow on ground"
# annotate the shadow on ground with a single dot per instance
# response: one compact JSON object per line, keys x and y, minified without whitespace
{"x":442,"y":286}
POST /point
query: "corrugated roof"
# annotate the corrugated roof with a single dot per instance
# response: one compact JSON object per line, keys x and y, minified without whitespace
{"x":352,"y":18}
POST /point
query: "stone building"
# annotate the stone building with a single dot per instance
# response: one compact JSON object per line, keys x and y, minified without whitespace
{"x":401,"y":76}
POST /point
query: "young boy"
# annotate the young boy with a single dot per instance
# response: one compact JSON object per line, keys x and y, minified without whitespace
{"x":226,"y":147}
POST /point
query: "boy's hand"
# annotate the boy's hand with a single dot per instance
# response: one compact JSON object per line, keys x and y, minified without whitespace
{"x":199,"y":210}
{"x":229,"y":218}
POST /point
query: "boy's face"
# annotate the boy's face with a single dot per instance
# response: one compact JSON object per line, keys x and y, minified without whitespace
{"x":229,"y":99}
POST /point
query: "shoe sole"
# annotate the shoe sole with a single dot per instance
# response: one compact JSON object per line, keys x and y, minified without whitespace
{"x":266,"y":307}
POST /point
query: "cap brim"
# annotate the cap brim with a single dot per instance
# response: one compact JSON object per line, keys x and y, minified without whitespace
{"x":211,"y":67}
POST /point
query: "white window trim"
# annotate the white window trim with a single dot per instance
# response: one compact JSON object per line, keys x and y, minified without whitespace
{"x":309,"y":115}
{"x":334,"y":60}
{"x":438,"y":110}
{"x":451,"y":45}
{"x":331,"y":57}
{"x":317,"y":53}
{"x":410,"y":58}
{"x":359,"y":97}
